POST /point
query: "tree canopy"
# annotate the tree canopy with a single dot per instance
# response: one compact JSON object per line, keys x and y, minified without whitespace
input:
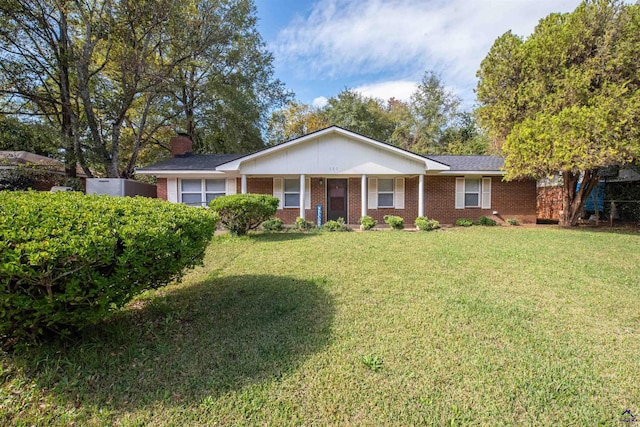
{"x":432,"y":122}
{"x":567,"y":99}
{"x":116,"y":77}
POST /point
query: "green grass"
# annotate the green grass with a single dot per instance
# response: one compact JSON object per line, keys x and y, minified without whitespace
{"x":483,"y":326}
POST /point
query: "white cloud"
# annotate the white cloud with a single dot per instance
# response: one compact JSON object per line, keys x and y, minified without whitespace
{"x":319,"y":102}
{"x":399,"y":89}
{"x":346,"y":38}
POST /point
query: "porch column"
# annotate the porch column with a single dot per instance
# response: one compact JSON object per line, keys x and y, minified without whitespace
{"x":363,"y":196}
{"x":302,"y":195}
{"x":421,"y":195}
{"x":243,"y":184}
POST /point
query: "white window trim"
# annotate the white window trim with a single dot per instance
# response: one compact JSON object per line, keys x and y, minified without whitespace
{"x":484,"y":193}
{"x":479,"y":193}
{"x":203,"y":190}
{"x":284,"y":193}
{"x":392,"y":192}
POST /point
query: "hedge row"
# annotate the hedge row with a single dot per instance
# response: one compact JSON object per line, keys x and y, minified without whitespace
{"x":67,"y":259}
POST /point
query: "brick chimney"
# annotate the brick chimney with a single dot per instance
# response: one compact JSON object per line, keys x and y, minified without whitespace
{"x":181,"y":145}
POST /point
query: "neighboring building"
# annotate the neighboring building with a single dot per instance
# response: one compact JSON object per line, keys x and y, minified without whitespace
{"x":349,"y":176}
{"x":35,"y":171}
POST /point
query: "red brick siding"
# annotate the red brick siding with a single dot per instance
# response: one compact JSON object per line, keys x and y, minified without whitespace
{"x":410,"y":211}
{"x":180,"y":145}
{"x":161,"y":186}
{"x":515,"y":199}
{"x":549,"y":202}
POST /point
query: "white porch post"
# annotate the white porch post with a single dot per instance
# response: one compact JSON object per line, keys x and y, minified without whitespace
{"x":363,"y":196}
{"x":243,"y":184}
{"x":421,"y":196}
{"x":302,"y":195}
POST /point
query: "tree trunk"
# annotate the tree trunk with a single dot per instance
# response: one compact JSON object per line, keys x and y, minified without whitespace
{"x":572,"y":200}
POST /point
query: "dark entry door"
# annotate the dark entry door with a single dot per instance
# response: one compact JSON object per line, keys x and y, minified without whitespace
{"x":336,"y":199}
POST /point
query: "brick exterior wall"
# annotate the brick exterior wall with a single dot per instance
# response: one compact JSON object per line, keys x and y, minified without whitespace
{"x":515,"y":199}
{"x":161,"y":187}
{"x":549,"y":202}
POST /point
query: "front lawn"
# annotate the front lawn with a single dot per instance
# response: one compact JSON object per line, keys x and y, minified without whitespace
{"x":489,"y":326}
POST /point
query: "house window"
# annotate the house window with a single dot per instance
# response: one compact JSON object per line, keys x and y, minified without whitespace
{"x":385,"y":193}
{"x":191,"y":192}
{"x":199,"y":192}
{"x":291,"y":193}
{"x":472,"y":192}
{"x":214,"y":188}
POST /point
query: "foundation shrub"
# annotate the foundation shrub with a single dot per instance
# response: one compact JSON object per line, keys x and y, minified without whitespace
{"x":240,"y":213}
{"x":395,"y":222}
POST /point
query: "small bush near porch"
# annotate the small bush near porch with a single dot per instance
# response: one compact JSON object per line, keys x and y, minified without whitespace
{"x":470,"y":326}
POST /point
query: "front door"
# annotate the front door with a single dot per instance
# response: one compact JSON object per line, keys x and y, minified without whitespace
{"x":336,"y":199}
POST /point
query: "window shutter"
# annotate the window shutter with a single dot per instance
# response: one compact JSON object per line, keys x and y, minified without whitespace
{"x":398,"y":196}
{"x":459,"y":193}
{"x":372,"y":187}
{"x":277,"y":190}
{"x":231,"y":186}
{"x":307,"y":193}
{"x":172,"y":190}
{"x":486,"y":193}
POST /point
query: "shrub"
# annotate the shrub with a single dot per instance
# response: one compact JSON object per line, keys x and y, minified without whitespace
{"x":240,"y":213}
{"x":396,"y":222}
{"x":487,"y":222}
{"x":302,"y":225}
{"x":513,"y":221}
{"x":272,"y":225}
{"x":367,"y":222}
{"x":67,"y":260}
{"x":338,"y":225}
{"x":464,"y":222}
{"x":35,"y":177}
{"x":425,"y":224}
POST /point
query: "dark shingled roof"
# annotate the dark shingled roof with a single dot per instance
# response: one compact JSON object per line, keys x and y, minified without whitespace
{"x":191,"y":162}
{"x":470,"y":163}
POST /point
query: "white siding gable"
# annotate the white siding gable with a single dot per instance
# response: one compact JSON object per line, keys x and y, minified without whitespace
{"x":333,"y":154}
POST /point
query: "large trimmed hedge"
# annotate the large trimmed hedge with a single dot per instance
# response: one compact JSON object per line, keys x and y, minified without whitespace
{"x":67,"y":259}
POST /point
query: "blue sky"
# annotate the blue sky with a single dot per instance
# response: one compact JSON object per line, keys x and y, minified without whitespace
{"x":383,"y":47}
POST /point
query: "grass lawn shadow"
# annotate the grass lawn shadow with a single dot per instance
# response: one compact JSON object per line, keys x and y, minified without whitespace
{"x":188,"y":344}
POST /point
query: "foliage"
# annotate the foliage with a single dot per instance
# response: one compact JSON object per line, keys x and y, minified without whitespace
{"x":372,"y":361}
{"x":627,"y":199}
{"x":513,"y":221}
{"x":272,"y":225}
{"x":302,"y":225}
{"x":337,"y":225}
{"x":425,"y":224}
{"x":38,"y":138}
{"x":567,"y":99}
{"x":34,"y":177}
{"x":430,"y":123}
{"x":488,"y":222}
{"x":394,"y":221}
{"x":464,"y":222}
{"x":240,"y":213}
{"x":67,"y":260}
{"x":114,"y":78}
{"x":367,"y":222}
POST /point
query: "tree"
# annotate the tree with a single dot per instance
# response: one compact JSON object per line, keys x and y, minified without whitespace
{"x":115,"y":76}
{"x":567,"y":99}
{"x":293,"y":121}
{"x":464,"y":137}
{"x":37,"y":138}
{"x":433,"y":109}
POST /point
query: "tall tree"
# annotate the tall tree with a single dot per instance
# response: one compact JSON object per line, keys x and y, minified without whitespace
{"x":434,"y":108}
{"x":567,"y":99}
{"x":36,"y":65}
